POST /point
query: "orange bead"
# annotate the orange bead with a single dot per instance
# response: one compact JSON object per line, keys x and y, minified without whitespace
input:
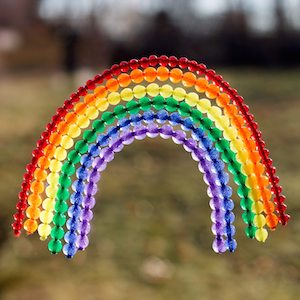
{"x":30,"y":226}
{"x":33,"y":212}
{"x":188,"y":79}
{"x":89,"y":99}
{"x":223,"y":99}
{"x":80,"y":107}
{"x":71,"y":118}
{"x":44,"y":161}
{"x":40,"y":174}
{"x":35,"y":200}
{"x":201,"y":85}
{"x":176,"y":75}
{"x":137,"y":76}
{"x":212,"y":91}
{"x":63,"y":128}
{"x":272,"y":221}
{"x":112,"y":85}
{"x":37,"y":187}
{"x":49,"y":150}
{"x":55,"y":139}
{"x":150,"y":74}
{"x":100,"y":91}
{"x":124,"y":80}
{"x":163,"y":73}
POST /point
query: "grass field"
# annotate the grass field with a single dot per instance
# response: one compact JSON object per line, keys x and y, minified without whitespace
{"x":151,"y":234}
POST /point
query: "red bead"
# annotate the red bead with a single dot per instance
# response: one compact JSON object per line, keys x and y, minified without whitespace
{"x":34,"y":161}
{"x":106,"y":74}
{"x":144,"y":62}
{"x":67,"y":105}
{"x":30,"y":167}
{"x":210,"y":74}
{"x":183,"y":62}
{"x":201,"y":69}
{"x":25,"y":185}
{"x":27,"y":177}
{"x":45,"y":135}
{"x":163,"y":60}
{"x":37,"y":152}
{"x":133,"y":63}
{"x":19,"y":216}
{"x":98,"y":79}
{"x":74,"y":97}
{"x":22,"y":196}
{"x":284,"y":219}
{"x":21,"y":205}
{"x":153,"y":60}
{"x":82,"y":91}
{"x":17,"y":232}
{"x":173,"y":61}
{"x":17,"y":226}
{"x":115,"y":70}
{"x":50,"y":126}
{"x":41,"y":144}
{"x":282,"y":208}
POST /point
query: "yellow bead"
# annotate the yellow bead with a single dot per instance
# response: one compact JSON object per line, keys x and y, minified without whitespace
{"x":83,"y":121}
{"x":203,"y":105}
{"x":74,"y":131}
{"x":139,"y":91}
{"x":48,"y":204}
{"x":55,"y":165}
{"x":257,"y":207}
{"x":46,"y":216}
{"x":166,"y":91}
{"x":51,"y":191}
{"x":153,"y":89}
{"x":114,"y":98}
{"x":60,"y":153}
{"x":52,"y":178}
{"x":92,"y":112}
{"x":179,"y":94}
{"x":230,"y":134}
{"x":44,"y":231}
{"x":67,"y":142}
{"x":238,"y":144}
{"x":127,"y":94}
{"x":192,"y":99}
{"x":215,"y":111}
{"x":259,"y":221}
{"x":242,"y":155}
{"x":261,"y":234}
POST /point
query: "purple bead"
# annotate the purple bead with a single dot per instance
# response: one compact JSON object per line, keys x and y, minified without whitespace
{"x":95,"y":175}
{"x":82,"y":242}
{"x":219,"y":245}
{"x":91,"y":188}
{"x":89,"y":201}
{"x":86,"y":214}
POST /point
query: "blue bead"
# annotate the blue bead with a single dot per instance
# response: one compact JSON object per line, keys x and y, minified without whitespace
{"x":77,"y":198}
{"x":74,"y":211}
{"x":112,"y":132}
{"x":148,"y":115}
{"x":175,"y":117}
{"x":124,"y":123}
{"x":219,"y":165}
{"x":226,"y":190}
{"x":69,"y":250}
{"x":94,"y":150}
{"x":228,"y":204}
{"x":162,"y":116}
{"x":136,"y":119}
{"x":223,"y":177}
{"x":188,"y":124}
{"x":86,"y":160}
{"x":82,"y":173}
{"x":231,"y":244}
{"x":229,"y":216}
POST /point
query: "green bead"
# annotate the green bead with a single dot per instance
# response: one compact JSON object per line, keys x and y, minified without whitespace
{"x":243,"y":191}
{"x":133,"y":107}
{"x":57,"y":233}
{"x":120,"y":111}
{"x":184,"y":109}
{"x":222,"y":144}
{"x":196,"y":116}
{"x":206,"y":123}
{"x":55,"y":246}
{"x":98,"y":126}
{"x":250,"y":231}
{"x":90,"y":136}
{"x":65,"y":180}
{"x":61,"y":206}
{"x":171,"y":104}
{"x":62,"y":194}
{"x":81,"y":146}
{"x":145,"y":103}
{"x":215,"y":134}
{"x":248,"y":216}
{"x":59,"y":219}
{"x":246,"y":204}
{"x":159,"y":102}
{"x":68,"y":168}
{"x":74,"y":157}
{"x":108,"y":117}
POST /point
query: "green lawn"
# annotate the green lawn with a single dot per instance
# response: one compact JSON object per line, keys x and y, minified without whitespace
{"x":151,"y":234}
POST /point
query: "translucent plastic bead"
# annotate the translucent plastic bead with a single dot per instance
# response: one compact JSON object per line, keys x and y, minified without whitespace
{"x":166,"y":91}
{"x":204,"y":105}
{"x":176,"y":75}
{"x":114,"y":98}
{"x":44,"y":231}
{"x":127,"y":94}
{"x":192,"y":99}
{"x":261,"y":234}
{"x":153,"y":89}
{"x":139,"y":91}
{"x":179,"y":94}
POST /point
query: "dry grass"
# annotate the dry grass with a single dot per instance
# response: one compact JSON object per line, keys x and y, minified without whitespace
{"x":151,"y":234}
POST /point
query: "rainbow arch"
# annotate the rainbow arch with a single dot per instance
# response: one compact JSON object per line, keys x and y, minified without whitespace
{"x":217,"y":128}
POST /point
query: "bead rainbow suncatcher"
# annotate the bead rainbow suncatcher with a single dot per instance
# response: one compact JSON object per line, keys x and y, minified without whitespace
{"x":156,"y":96}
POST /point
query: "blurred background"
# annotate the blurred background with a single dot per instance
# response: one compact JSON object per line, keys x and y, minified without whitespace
{"x":151,"y":232}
